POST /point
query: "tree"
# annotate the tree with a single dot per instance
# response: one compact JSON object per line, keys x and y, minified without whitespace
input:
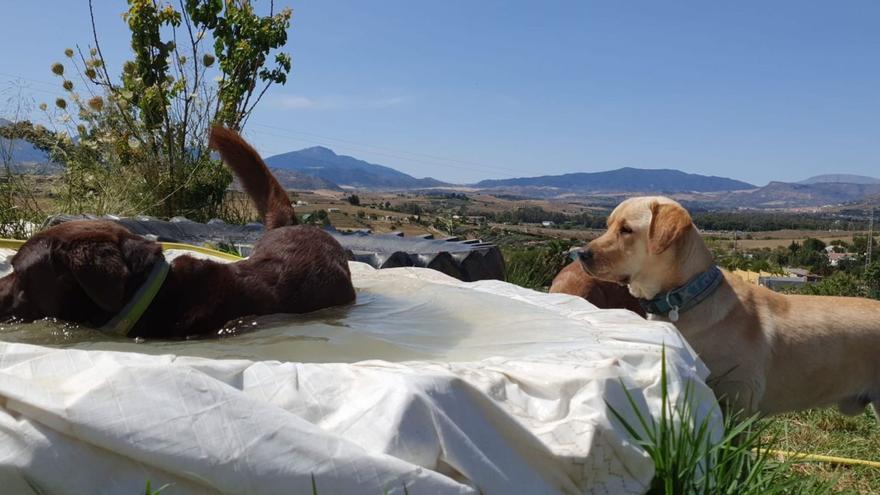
{"x":136,"y":142}
{"x":838,"y":284}
{"x":872,"y":278}
{"x":860,"y":244}
{"x":813,"y":244}
{"x":354,"y":200}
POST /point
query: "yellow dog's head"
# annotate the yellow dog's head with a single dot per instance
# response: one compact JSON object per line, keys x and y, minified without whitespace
{"x":645,"y":246}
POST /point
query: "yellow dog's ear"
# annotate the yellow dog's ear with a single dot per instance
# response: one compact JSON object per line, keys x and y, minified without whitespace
{"x":668,"y":223}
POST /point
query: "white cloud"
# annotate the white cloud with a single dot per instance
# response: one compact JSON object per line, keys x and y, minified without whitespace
{"x":297,"y":102}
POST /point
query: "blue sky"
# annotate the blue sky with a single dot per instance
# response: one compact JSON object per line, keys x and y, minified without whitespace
{"x":467,"y":90}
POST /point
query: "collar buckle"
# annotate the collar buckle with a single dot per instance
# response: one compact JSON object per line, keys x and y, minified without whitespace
{"x":673,"y":313}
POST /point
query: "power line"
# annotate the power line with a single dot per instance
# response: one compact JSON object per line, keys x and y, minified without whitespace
{"x":423,"y":158}
{"x":20,"y":78}
{"x":870,"y":238}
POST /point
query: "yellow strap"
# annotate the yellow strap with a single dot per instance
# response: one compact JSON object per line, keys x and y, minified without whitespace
{"x":10,"y":243}
{"x":822,"y":458}
{"x":200,"y":249}
{"x":16,"y":243}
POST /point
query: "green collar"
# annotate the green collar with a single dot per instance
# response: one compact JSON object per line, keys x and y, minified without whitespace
{"x":128,"y":317}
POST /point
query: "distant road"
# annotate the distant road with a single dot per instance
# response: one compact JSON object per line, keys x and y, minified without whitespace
{"x":534,"y":229}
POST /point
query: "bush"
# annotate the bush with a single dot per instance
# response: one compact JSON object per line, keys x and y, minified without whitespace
{"x":838,"y":284}
{"x":136,"y":142}
{"x":535,"y":266}
{"x":688,"y":459}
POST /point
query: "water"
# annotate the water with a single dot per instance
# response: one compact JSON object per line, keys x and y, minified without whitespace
{"x":395,"y":318}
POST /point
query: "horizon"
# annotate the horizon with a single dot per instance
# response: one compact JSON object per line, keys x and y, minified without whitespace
{"x":344,"y":155}
{"x":460,"y":93}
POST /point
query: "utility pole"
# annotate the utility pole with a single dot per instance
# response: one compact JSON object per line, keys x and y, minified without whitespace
{"x":870,"y":238}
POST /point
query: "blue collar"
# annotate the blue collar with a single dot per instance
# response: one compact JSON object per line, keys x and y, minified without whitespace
{"x":683,"y":298}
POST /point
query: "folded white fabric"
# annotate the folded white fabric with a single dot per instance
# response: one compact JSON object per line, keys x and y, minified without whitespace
{"x":427,"y":383}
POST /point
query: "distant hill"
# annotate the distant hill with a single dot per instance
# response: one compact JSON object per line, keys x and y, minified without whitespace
{"x":624,"y":180}
{"x":347,"y":171}
{"x":24,"y":156}
{"x":787,"y":195}
{"x":840,"y":178}
{"x":291,"y":179}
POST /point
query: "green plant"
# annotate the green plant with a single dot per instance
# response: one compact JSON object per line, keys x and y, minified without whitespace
{"x":535,"y":266}
{"x":236,"y":208}
{"x":689,"y":458}
{"x":20,"y":211}
{"x":828,"y":432}
{"x":838,"y":284}
{"x":149,"y":490}
{"x":136,"y":143}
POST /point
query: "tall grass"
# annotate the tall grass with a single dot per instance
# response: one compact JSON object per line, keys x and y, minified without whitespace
{"x":536,"y":265}
{"x":150,"y":491}
{"x":20,"y":211}
{"x":689,"y":458}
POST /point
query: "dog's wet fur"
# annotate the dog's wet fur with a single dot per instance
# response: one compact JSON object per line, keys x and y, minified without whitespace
{"x":85,"y":271}
{"x":767,"y":352}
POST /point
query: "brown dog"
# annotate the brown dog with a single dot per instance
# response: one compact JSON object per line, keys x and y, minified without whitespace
{"x":767,"y":352}
{"x":606,"y":295}
{"x":87,"y":271}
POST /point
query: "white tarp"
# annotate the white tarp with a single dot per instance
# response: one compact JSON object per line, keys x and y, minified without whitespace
{"x":427,"y":382}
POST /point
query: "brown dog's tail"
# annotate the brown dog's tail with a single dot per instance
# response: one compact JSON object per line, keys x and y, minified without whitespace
{"x":259,"y":183}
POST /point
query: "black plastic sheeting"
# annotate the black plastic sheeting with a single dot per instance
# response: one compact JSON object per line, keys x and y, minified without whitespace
{"x":468,"y":260}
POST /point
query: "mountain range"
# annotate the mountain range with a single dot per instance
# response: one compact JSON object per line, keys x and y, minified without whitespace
{"x":291,"y":179}
{"x":347,"y":171}
{"x":795,"y":195}
{"x":24,"y":156}
{"x":840,"y":178}
{"x":626,"y":179}
{"x":321,"y":168}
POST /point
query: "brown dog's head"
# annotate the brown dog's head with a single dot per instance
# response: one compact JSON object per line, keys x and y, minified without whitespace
{"x":642,"y":246}
{"x":80,"y":271}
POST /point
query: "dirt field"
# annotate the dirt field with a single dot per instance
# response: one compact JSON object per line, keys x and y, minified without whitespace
{"x":783,"y":238}
{"x":379,"y":220}
{"x":571,"y":234}
{"x":758,"y":240}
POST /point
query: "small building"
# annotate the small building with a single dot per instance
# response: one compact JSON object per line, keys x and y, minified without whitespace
{"x":796,"y":272}
{"x":750,"y":276}
{"x":776,"y":283}
{"x":548,"y":223}
{"x":333,"y":210}
{"x":834,"y":259}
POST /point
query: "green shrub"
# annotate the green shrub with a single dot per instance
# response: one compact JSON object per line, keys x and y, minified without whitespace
{"x":688,"y":459}
{"x":535,"y":266}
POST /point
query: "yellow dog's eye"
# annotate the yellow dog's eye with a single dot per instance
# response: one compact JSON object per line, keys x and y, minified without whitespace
{"x":625,"y":230}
